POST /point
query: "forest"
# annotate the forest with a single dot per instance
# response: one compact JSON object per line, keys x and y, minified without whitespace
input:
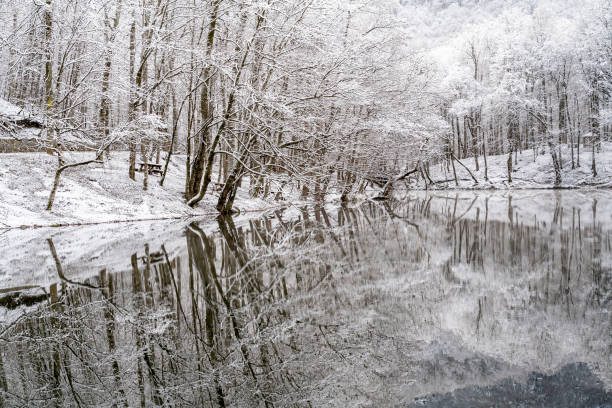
{"x":319,"y":308}
{"x":326,"y":97}
{"x":306,"y":203}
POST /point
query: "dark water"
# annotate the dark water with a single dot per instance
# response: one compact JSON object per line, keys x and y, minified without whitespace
{"x":449,"y":300}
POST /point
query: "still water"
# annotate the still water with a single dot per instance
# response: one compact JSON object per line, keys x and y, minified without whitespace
{"x":472,"y":299}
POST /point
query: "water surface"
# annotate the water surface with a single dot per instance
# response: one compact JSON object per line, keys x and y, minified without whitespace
{"x":437,"y":300}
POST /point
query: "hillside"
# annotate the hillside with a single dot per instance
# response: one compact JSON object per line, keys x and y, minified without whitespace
{"x":528,"y":172}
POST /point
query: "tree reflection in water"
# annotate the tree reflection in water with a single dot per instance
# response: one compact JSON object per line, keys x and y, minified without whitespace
{"x":375,"y":305}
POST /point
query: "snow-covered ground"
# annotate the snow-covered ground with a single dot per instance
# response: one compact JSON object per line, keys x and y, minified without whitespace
{"x":103,"y":193}
{"x":530,"y":172}
{"x":97,"y":193}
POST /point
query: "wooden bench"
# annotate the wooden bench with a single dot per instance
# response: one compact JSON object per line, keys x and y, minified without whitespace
{"x":154,"y":258}
{"x":153,"y":168}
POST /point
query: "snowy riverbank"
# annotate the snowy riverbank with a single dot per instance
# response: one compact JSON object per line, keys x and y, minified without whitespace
{"x":101,"y":193}
{"x":529,"y":172}
{"x":97,"y":193}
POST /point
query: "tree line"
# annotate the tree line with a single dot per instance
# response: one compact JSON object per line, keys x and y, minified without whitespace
{"x":323,"y":95}
{"x":319,"y":93}
{"x":536,"y":79}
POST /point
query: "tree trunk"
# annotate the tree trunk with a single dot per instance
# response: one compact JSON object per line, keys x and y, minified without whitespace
{"x":104,"y":114}
{"x":143,"y":154}
{"x":454,"y":169}
{"x":131,"y":112}
{"x":579,"y":131}
{"x":204,"y":181}
{"x":509,"y":164}
{"x":594,"y":128}
{"x":198,"y":170}
{"x":484,"y":156}
{"x":513,"y":132}
{"x":562,"y":94}
{"x":56,"y":181}
{"x":48,"y":16}
{"x":556,"y":164}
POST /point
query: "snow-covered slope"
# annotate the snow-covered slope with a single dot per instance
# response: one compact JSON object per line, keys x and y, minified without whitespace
{"x":530,"y":171}
{"x":96,"y":193}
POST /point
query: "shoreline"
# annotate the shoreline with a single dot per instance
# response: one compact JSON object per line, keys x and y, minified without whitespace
{"x":102,"y":194}
{"x":215,"y":214}
{"x":136,"y":220}
{"x":607,"y":186}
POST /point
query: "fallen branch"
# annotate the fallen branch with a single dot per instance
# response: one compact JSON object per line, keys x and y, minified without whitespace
{"x":389,"y":186}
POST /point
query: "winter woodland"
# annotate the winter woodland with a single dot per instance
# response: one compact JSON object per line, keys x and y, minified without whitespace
{"x":306,"y":203}
{"x":324,"y":97}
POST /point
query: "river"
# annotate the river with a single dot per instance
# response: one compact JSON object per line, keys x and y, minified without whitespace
{"x":440,"y":299}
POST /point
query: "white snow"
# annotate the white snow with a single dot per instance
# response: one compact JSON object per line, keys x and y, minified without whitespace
{"x":98,"y":193}
{"x":11,"y":111}
{"x":531,"y":172}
